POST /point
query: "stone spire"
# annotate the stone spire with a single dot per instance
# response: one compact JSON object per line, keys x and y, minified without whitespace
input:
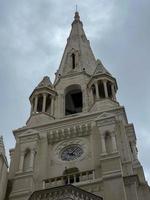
{"x":78,"y":55}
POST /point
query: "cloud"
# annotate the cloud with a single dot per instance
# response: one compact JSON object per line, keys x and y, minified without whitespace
{"x":33,"y":35}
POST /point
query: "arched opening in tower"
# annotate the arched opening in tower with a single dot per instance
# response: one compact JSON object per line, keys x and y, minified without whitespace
{"x":73,"y":101}
{"x":109,"y":89}
{"x":93,"y":90}
{"x":40,"y":103}
{"x":48,"y":103}
{"x":101,"y":89}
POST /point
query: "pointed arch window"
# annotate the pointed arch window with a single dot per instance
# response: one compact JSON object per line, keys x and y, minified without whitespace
{"x":73,"y":57}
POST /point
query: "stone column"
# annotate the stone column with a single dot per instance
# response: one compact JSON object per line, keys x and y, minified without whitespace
{"x":97,"y":91}
{"x":36,"y":103}
{"x":105,"y":88}
{"x":44,"y":103}
{"x":21,"y":162}
{"x":114,"y":145}
{"x":113,"y":92}
{"x":103,"y":144}
{"x":32,"y":154}
{"x":52,"y":105}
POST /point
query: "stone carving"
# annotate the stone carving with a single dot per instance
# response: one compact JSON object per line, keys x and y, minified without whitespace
{"x":69,"y":132}
{"x":67,"y":192}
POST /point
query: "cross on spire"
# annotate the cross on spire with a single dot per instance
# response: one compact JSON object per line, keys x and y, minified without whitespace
{"x":76,"y":8}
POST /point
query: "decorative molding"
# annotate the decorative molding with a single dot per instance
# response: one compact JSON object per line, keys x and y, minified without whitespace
{"x":69,"y":132}
{"x":29,"y":136}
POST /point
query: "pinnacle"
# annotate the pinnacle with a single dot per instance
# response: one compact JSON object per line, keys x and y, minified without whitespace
{"x":100,"y":69}
{"x":45,"y":82}
{"x":77,"y":17}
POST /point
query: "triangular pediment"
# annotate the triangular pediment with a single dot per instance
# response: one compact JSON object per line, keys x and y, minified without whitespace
{"x":105,"y":115}
{"x":66,"y":192}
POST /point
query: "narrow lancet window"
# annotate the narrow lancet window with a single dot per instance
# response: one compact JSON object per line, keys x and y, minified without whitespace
{"x":73,"y":61}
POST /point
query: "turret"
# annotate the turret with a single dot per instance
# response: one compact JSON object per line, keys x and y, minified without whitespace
{"x":102,"y":85}
{"x":42,"y":102}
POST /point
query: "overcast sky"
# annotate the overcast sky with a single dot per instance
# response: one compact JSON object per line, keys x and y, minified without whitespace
{"x":33,"y":35}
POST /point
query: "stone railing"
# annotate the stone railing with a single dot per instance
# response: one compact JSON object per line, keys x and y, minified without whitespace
{"x":69,"y":179}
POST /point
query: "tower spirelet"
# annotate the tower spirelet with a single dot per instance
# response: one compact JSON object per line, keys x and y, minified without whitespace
{"x":77,"y":16}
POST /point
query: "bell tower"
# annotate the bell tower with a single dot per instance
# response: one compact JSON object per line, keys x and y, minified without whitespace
{"x":77,"y":142}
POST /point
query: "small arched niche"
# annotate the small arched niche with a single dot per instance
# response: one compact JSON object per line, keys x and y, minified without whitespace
{"x":26,"y":163}
{"x":108,"y":142}
{"x":73,"y":100}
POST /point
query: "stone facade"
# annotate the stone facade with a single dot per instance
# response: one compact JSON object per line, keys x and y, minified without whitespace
{"x":77,"y":140}
{"x":3,"y":170}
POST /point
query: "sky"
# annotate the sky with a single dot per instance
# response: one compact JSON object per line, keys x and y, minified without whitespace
{"x":33,"y":34}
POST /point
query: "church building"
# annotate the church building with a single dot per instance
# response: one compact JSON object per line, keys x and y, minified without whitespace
{"x":77,"y":143}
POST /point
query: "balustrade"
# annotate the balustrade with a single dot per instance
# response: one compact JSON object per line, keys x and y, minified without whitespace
{"x":69,"y":179}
